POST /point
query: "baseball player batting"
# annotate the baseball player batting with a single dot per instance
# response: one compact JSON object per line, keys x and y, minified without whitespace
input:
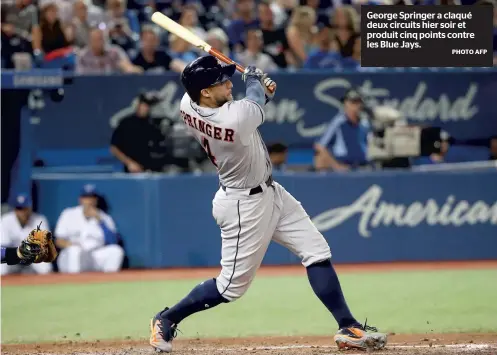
{"x":250,"y":208}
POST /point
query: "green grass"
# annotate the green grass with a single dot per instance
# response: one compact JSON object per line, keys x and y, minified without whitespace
{"x":407,"y":302}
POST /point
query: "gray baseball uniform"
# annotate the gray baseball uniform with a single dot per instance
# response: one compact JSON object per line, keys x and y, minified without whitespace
{"x":249,"y":207}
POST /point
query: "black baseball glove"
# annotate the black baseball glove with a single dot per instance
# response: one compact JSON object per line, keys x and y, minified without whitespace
{"x":27,"y":252}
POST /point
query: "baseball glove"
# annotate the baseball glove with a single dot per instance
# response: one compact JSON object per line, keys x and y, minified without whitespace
{"x":44,"y":240}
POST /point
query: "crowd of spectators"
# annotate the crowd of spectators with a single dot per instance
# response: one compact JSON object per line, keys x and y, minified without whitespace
{"x":111,"y":36}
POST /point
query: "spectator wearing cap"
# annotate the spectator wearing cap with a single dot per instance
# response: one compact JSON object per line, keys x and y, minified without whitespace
{"x":218,"y":39}
{"x":343,"y":145}
{"x":153,"y":59}
{"x":15,"y":226}
{"x":244,"y":20}
{"x":278,"y":154}
{"x":102,"y":57}
{"x":274,"y":38}
{"x":87,"y":237}
{"x":300,"y":33}
{"x":137,"y":143}
{"x":253,"y":55}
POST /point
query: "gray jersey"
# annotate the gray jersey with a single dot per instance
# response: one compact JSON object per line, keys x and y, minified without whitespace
{"x":231,"y":139}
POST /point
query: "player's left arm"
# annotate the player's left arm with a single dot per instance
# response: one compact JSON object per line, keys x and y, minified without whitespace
{"x":253,"y":76}
{"x":250,"y":110}
{"x":254,"y":91}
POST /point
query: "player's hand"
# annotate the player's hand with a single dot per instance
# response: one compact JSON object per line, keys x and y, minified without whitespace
{"x":28,"y":252}
{"x":252,"y":72}
{"x":91,"y":212}
{"x":134,"y":167}
{"x":267,"y":83}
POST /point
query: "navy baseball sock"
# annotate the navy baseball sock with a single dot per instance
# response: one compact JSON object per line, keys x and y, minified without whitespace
{"x":324,"y":281}
{"x":203,"y":296}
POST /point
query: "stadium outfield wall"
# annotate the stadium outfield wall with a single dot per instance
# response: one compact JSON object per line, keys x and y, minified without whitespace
{"x":166,"y":221}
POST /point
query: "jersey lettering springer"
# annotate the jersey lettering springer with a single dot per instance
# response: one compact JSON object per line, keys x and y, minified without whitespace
{"x":230,"y":137}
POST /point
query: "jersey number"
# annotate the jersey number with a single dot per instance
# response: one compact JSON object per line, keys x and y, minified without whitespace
{"x":207,"y":148}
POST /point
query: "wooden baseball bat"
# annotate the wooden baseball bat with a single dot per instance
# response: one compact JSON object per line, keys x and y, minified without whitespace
{"x":175,"y":28}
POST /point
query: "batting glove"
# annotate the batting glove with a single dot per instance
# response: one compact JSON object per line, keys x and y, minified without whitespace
{"x":251,"y":71}
{"x":267,"y":82}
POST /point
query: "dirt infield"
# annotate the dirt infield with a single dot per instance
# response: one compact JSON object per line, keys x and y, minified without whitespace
{"x":444,"y":344}
{"x":408,"y":344}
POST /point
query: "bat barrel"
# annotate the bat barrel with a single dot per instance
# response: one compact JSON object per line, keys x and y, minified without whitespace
{"x":180,"y":31}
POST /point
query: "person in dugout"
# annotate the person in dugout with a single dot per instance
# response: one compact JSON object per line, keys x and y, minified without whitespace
{"x":137,"y":142}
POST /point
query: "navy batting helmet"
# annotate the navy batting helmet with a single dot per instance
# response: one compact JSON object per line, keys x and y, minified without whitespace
{"x":204,"y":72}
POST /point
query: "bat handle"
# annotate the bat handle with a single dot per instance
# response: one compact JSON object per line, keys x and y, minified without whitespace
{"x":214,"y":52}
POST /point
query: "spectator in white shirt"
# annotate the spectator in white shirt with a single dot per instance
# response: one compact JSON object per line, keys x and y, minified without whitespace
{"x":88,"y":237}
{"x":16,"y":225}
